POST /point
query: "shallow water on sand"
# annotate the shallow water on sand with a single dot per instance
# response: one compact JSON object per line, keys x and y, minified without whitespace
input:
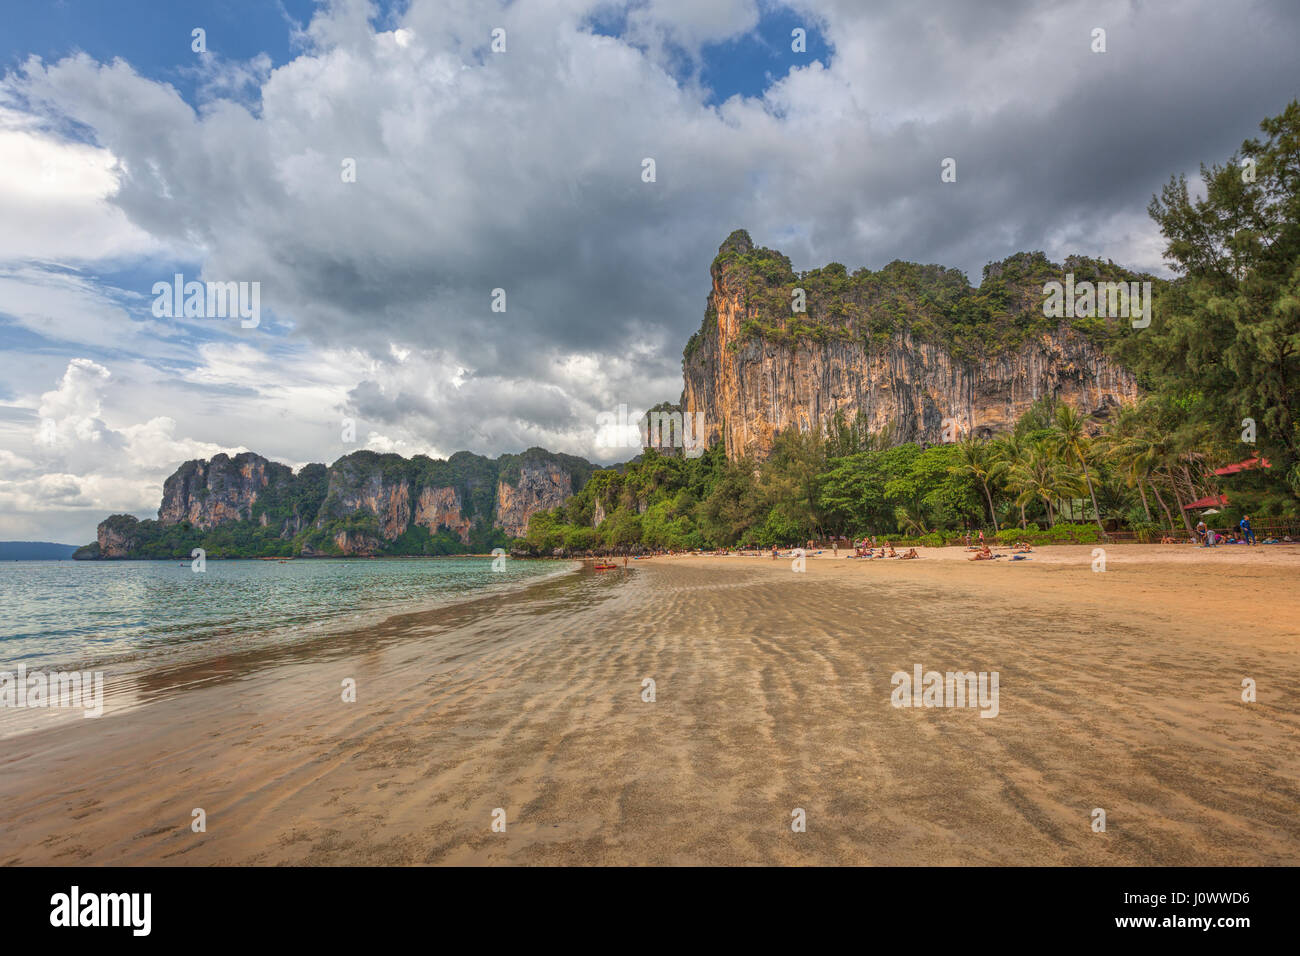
{"x":65,"y":613}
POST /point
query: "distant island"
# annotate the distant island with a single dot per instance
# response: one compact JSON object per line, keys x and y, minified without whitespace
{"x":35,"y":551}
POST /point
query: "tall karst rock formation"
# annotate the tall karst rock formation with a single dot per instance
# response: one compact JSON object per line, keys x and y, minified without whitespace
{"x":365,"y":503}
{"x":908,"y":347}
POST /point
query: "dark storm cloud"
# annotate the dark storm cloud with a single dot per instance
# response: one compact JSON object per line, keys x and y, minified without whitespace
{"x":523,"y":172}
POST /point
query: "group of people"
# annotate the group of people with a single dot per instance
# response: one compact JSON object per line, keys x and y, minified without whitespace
{"x":866,"y":548}
{"x":1207,"y":537}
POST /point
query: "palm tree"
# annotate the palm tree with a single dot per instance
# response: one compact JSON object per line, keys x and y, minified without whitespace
{"x":1012,"y":450}
{"x":978,"y":459}
{"x":1040,"y":476}
{"x":1125,"y":445}
{"x":911,"y":520}
{"x":1151,"y":450}
{"x":1072,"y":439}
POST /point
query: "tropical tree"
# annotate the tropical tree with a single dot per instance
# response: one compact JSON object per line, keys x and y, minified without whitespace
{"x":1072,"y":440}
{"x":1012,"y":450}
{"x":1228,"y":330}
{"x":1043,"y":476}
{"x":979,"y":459}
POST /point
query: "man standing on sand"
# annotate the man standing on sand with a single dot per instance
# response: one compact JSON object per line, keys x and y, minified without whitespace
{"x":1247,"y":534}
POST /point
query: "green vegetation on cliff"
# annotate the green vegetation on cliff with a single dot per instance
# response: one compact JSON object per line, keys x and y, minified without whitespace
{"x":578,"y":469}
{"x":931,"y":303}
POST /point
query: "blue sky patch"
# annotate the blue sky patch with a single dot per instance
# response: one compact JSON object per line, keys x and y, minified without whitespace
{"x":746,"y":64}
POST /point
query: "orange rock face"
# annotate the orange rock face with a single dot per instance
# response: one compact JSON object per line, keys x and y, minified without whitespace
{"x":540,"y":486}
{"x":437,"y":507}
{"x":749,"y":388}
{"x":209,"y":493}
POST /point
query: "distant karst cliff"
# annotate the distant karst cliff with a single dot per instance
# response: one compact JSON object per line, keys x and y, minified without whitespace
{"x":906,"y":347}
{"x":364,"y":504}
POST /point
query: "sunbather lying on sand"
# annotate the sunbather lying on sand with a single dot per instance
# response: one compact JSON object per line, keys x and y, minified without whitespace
{"x":910,"y":554}
{"x":1022,"y":547}
{"x":984,"y":555}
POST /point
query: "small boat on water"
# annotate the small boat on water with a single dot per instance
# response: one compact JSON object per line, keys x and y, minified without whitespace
{"x":605,"y":567}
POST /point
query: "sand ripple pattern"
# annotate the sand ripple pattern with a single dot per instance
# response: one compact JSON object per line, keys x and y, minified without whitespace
{"x":772,"y":693}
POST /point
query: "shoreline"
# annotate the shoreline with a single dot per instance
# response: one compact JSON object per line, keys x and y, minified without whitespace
{"x":146,"y":663}
{"x":1118,"y":690}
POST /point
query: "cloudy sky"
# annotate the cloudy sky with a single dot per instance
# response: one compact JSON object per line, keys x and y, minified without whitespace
{"x":126,"y":156}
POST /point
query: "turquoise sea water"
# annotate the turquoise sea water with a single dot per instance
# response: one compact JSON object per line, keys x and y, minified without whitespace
{"x":75,"y":612}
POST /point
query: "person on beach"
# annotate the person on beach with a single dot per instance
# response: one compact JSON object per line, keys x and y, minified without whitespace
{"x":1247,"y":533}
{"x":984,"y":554}
{"x":911,"y":554}
{"x":1201,"y":533}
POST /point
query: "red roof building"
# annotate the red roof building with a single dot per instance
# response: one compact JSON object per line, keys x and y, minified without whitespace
{"x":1246,"y":465}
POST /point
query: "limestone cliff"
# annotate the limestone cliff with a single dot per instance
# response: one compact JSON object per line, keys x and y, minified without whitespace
{"x":540,"y":486}
{"x":356,"y":544}
{"x":209,"y":493}
{"x":907,"y":348}
{"x":117,"y":536}
{"x":360,"y":483}
{"x":442,"y":507}
{"x":453,"y":495}
{"x":364,"y":504}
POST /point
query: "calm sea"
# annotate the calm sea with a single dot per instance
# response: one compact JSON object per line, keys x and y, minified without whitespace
{"x":82,"y":612}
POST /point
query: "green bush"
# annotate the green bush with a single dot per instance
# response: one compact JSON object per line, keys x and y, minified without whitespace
{"x":581,"y":539}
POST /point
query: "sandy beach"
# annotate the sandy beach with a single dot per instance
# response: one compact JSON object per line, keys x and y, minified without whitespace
{"x":1119,"y":690}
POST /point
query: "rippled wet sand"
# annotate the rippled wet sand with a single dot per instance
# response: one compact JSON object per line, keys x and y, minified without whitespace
{"x":1120,"y":691}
